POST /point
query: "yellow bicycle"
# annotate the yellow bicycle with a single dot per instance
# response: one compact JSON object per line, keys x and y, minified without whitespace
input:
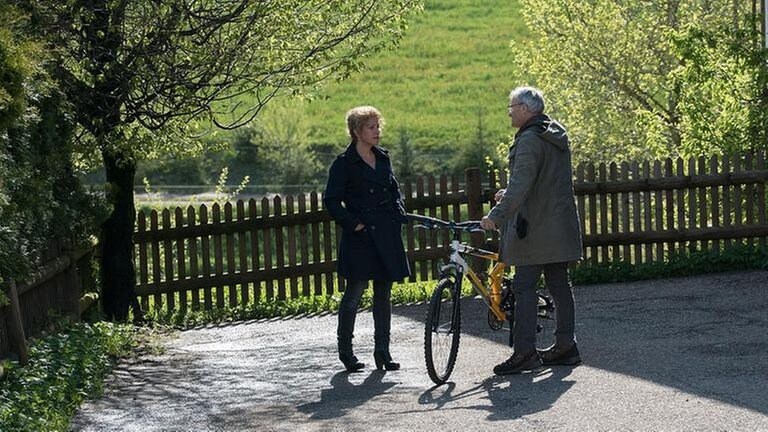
{"x":443,"y":320}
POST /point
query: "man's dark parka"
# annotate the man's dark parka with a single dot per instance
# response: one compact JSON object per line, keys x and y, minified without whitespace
{"x":537,"y":214}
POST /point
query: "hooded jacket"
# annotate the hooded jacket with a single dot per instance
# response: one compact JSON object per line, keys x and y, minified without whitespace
{"x":537,"y":213}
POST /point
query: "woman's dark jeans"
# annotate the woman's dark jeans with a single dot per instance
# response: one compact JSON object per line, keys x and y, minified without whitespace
{"x":382,"y":314}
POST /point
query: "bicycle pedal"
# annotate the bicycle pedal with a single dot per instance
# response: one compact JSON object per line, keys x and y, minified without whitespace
{"x":507,"y":300}
{"x":483,"y":276}
{"x":493,"y":322}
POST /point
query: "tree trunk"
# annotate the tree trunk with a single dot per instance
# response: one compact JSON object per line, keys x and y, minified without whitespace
{"x":117,"y":272}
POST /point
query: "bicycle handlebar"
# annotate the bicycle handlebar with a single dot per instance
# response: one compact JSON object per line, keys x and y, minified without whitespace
{"x":435,"y":223}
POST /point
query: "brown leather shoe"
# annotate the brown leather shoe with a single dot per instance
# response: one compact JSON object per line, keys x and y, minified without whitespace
{"x":560,"y":355}
{"x":518,"y":363}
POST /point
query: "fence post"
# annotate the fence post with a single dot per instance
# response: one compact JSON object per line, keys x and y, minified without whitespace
{"x":474,"y":190}
{"x":16,"y":327}
{"x":73,"y":289}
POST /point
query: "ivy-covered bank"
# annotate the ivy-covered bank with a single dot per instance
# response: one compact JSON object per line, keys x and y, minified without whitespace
{"x":64,"y":369}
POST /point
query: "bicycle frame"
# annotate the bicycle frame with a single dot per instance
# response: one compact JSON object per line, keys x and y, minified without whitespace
{"x":491,"y":290}
{"x":456,"y":262}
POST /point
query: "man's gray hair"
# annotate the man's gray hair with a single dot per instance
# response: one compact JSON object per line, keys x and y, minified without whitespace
{"x":531,"y":97}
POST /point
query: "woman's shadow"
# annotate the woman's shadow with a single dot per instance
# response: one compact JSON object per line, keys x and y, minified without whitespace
{"x":343,"y":395}
{"x":510,"y":397}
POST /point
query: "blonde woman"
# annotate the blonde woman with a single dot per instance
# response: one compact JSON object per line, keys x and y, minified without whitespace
{"x":363,"y":196}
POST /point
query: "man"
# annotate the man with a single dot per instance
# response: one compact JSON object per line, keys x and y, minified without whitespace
{"x":539,"y":230}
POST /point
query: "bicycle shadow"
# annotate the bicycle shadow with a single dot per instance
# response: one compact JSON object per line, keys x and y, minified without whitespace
{"x":701,"y":335}
{"x":344,"y":395}
{"x":510,"y":397}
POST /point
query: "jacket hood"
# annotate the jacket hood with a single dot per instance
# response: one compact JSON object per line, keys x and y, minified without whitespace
{"x":549,"y":130}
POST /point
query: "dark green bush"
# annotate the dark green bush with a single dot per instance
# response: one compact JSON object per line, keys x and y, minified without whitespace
{"x":737,"y":257}
{"x":41,"y":197}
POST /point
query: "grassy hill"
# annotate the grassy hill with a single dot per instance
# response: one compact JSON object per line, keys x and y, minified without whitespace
{"x":453,"y":69}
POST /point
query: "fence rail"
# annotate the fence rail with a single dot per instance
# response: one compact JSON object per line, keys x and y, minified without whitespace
{"x":285,"y":247}
{"x":54,"y":288}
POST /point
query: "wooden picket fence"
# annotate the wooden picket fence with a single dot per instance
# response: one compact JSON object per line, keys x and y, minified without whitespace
{"x":277,"y":248}
{"x":54,"y":289}
{"x":640,"y":212}
{"x":285,"y":247}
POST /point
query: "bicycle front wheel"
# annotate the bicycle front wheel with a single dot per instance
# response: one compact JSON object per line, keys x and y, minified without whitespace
{"x":442,"y":330}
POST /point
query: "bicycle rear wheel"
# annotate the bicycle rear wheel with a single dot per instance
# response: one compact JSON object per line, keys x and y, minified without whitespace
{"x":442,"y":330}
{"x":545,"y":321}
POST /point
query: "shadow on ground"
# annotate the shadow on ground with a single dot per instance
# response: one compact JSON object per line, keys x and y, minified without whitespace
{"x":533,"y":392}
{"x":706,"y":336}
{"x":343,"y":395}
{"x":648,"y":347}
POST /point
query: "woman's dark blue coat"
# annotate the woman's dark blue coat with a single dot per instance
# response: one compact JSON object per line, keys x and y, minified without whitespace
{"x":356,"y":193}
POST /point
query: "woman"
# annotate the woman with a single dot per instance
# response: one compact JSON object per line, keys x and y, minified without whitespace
{"x":363,"y":197}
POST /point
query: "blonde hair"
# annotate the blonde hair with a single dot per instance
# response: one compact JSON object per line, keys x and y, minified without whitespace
{"x":358,"y":116}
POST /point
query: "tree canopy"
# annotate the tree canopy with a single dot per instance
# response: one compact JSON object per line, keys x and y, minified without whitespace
{"x":142,"y":74}
{"x":148,"y":64}
{"x":650,"y":79}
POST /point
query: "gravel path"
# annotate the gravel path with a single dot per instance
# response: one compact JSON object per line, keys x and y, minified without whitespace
{"x":673,"y":354}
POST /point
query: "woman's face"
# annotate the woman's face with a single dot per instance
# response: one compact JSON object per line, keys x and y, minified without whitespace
{"x":369,"y":132}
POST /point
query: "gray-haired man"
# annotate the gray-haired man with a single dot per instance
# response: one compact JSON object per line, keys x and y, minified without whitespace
{"x":539,"y":230}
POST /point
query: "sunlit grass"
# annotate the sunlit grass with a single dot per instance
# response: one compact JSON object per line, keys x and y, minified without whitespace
{"x":402,"y":293}
{"x":453,"y":66}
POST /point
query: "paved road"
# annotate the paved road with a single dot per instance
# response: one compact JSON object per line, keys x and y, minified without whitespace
{"x":676,"y":354}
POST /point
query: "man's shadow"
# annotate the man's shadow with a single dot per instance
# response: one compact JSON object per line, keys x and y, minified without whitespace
{"x":344,"y":395}
{"x":510,"y":397}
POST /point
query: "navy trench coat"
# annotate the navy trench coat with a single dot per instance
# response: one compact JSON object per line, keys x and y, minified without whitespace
{"x":356,"y":193}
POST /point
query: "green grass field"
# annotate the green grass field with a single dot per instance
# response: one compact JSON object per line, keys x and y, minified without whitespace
{"x":453,"y":67}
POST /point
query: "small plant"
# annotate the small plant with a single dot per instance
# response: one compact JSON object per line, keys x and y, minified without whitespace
{"x":222,"y":195}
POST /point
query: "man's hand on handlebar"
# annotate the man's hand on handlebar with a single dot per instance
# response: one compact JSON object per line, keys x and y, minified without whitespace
{"x":487,"y":224}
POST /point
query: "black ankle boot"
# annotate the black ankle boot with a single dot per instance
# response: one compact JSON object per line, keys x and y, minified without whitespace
{"x":351,"y":363}
{"x":384,"y":361}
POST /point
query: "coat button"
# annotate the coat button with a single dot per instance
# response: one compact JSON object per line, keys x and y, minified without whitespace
{"x":371,"y":191}
{"x":385,"y":189}
{"x":373,"y":227}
